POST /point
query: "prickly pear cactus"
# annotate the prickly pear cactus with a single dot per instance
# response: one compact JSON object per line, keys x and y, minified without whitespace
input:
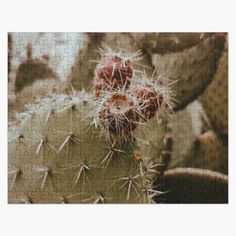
{"x":95,"y":147}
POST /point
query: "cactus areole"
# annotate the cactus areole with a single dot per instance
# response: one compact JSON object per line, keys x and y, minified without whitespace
{"x":118,"y":114}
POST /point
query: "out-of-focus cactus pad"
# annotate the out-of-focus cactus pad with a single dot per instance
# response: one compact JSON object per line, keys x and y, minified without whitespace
{"x":193,"y":68}
{"x":215,"y":98}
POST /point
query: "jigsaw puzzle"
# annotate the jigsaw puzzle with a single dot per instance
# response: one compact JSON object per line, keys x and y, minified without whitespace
{"x":117,"y":118}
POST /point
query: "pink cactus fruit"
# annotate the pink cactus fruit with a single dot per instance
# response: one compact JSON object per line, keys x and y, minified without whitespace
{"x":115,"y":72}
{"x":118,"y":113}
{"x":149,"y":99}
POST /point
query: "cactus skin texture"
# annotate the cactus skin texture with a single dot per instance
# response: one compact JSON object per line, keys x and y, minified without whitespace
{"x":58,"y":156}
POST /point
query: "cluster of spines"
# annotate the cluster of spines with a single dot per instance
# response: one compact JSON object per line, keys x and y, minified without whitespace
{"x":126,"y":98}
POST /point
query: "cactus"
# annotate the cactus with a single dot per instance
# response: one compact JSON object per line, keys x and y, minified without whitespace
{"x":81,"y":148}
{"x":193,"y":185}
{"x":203,"y":127}
{"x":193,"y":67}
{"x":215,"y":99}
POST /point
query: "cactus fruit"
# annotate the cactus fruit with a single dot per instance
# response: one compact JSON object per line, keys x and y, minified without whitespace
{"x":80,"y":148}
{"x":118,"y":113}
{"x":115,"y":72}
{"x":126,"y":99}
{"x":84,"y":69}
{"x":150,"y":99}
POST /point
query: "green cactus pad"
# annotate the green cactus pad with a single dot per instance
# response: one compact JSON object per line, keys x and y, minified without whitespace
{"x":58,"y":154}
